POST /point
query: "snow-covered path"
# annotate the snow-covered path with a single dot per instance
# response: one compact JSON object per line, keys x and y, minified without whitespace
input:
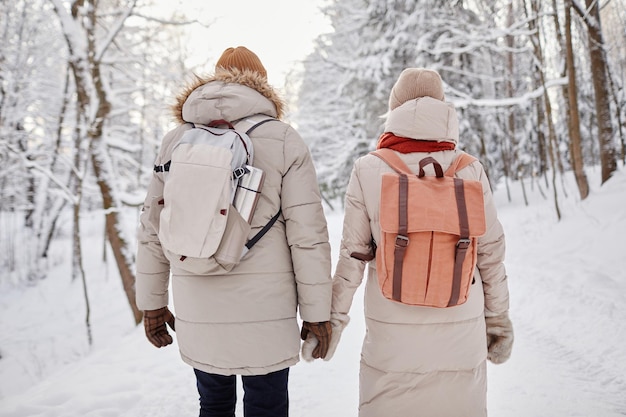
{"x":567,"y":282}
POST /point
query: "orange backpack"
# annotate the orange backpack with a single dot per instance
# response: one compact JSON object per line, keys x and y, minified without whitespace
{"x":429,"y":227}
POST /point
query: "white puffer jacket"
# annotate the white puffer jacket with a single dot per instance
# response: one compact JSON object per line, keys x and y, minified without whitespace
{"x":244,"y":322}
{"x":418,"y":360}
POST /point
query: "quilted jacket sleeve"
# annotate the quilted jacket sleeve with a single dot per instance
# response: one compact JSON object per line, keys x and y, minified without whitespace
{"x":491,"y":250}
{"x":306,"y":229}
{"x":356,"y":247}
{"x":153,"y":268}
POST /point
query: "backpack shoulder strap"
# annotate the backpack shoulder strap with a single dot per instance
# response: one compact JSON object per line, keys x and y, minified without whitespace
{"x":464,"y":242}
{"x":271,"y":222}
{"x":402,"y":239}
{"x":263,"y":231}
{"x":462,"y":160}
{"x":166,"y":166}
{"x":393,"y":160}
{"x":238,"y":124}
{"x":259,"y":124}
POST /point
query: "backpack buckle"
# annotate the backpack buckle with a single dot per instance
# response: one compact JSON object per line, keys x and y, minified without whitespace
{"x":463,"y":243}
{"x":239,"y":172}
{"x":402,"y":241}
{"x":163,"y":168}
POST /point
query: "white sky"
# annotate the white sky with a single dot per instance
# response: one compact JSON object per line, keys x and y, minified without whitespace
{"x":280,"y":32}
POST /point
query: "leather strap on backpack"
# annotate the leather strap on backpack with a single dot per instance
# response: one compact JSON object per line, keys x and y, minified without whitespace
{"x":402,"y":240}
{"x":464,"y":242}
{"x":462,"y":245}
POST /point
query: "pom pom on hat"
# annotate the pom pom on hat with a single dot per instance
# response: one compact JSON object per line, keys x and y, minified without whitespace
{"x":415,"y":83}
{"x":241,"y":58}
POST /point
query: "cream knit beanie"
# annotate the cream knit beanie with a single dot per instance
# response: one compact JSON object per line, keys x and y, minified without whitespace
{"x":415,"y":83}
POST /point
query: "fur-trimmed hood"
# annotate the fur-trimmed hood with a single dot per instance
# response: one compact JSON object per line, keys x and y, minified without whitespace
{"x":228,"y":94}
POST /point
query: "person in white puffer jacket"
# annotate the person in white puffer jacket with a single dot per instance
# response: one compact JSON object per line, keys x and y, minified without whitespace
{"x":243,"y":322}
{"x":420,"y":360}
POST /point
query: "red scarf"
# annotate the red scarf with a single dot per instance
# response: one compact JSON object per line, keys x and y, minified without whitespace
{"x":408,"y":145}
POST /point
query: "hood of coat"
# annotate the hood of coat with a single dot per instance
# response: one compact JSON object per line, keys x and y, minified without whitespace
{"x":228,"y":94}
{"x":424,"y":118}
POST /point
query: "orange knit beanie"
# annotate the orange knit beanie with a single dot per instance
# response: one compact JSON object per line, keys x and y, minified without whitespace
{"x":241,"y":58}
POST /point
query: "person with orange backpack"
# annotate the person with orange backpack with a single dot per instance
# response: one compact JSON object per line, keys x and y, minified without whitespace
{"x":420,"y":213}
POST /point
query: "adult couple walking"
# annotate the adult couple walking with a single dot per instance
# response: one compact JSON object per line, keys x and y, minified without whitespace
{"x":415,"y":360}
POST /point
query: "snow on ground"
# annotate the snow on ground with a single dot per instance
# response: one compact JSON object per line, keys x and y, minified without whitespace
{"x":567,"y":281}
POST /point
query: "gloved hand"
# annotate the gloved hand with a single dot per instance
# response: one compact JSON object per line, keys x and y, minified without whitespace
{"x":499,"y":338}
{"x":154,"y":325}
{"x":338,"y":322}
{"x":322,"y":332}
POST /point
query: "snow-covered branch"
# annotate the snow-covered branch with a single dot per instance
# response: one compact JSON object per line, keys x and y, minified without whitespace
{"x":584,"y":13}
{"x":69,"y":195}
{"x":115,"y":29}
{"x":463,"y":102}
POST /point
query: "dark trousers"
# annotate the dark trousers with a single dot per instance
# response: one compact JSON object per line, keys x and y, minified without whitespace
{"x":264,"y":395}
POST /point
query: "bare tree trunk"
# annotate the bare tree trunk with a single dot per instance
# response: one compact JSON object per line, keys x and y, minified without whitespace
{"x":54,"y":206}
{"x":552,"y":143}
{"x":599,"y":71}
{"x":55,"y":211}
{"x":523,"y":185}
{"x":574,"y":115}
{"x":483,"y":154}
{"x":120,"y":247}
{"x":100,"y":162}
{"x":505,"y":167}
{"x":87,"y":76}
{"x":80,"y":164}
{"x":77,"y":266}
{"x":541,"y":141}
{"x":510,"y":42}
{"x":618,"y":116}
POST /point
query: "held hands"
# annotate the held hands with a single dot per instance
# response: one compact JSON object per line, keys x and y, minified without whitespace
{"x":499,"y":338}
{"x":338,"y":322}
{"x":321,"y":332}
{"x":154,"y":325}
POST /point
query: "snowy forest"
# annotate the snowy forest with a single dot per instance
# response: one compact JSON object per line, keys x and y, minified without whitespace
{"x":538,"y":85}
{"x":85,"y":86}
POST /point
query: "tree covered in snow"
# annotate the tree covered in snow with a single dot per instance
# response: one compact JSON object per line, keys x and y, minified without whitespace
{"x":32,"y":79}
{"x":539,"y":87}
{"x":85,"y":87}
{"x":504,"y":66}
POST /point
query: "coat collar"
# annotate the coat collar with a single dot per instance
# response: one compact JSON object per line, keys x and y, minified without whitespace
{"x":425,"y":118}
{"x":227,"y":94}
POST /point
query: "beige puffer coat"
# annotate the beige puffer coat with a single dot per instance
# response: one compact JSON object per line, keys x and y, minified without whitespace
{"x":418,"y":360}
{"x":244,"y":322}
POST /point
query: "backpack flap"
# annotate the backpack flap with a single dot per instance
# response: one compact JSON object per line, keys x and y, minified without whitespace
{"x":197,"y":204}
{"x":201,"y":229}
{"x":428,"y":227}
{"x":198,"y":191}
{"x":435,"y":207}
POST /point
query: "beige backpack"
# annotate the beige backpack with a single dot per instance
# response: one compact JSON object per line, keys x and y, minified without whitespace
{"x":210,"y":192}
{"x":429,"y":227}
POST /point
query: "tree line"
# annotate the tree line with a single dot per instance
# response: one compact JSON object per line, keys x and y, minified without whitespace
{"x":84,"y":93}
{"x":85,"y":88}
{"x":538,"y":85}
